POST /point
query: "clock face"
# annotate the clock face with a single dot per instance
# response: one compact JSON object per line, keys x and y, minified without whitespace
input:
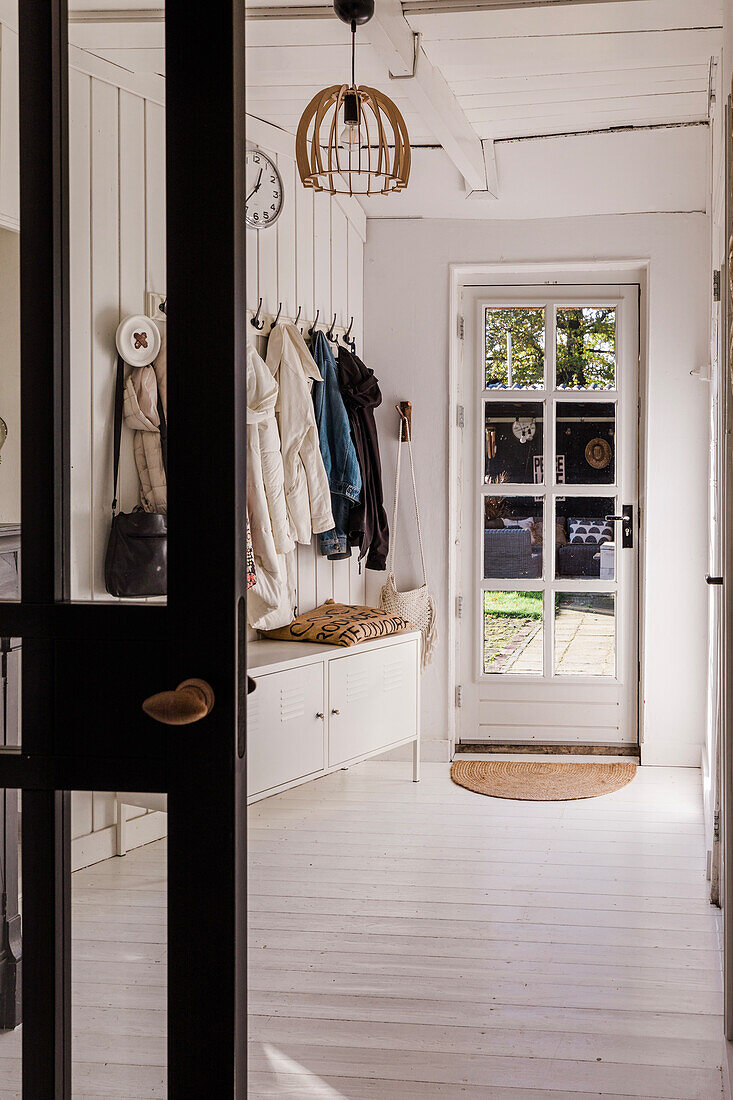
{"x":264,"y":191}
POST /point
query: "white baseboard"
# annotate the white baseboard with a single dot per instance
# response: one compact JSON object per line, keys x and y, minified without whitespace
{"x":96,"y":847}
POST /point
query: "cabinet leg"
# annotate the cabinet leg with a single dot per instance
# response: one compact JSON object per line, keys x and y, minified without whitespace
{"x":416,"y":761}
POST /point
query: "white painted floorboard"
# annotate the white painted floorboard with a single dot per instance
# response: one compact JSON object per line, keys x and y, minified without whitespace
{"x":423,"y":941}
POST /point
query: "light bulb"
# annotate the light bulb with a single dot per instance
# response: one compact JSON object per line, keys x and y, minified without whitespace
{"x":350,"y":137}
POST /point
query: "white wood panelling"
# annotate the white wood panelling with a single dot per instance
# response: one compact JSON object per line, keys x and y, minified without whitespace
{"x":117,"y":235}
{"x":312,"y":257}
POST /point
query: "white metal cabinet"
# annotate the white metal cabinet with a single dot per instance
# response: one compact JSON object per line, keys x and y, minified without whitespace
{"x":285,"y":727}
{"x":372,"y":700}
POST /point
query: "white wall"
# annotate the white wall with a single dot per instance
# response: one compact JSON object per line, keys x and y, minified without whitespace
{"x":312,"y":257}
{"x":406,"y":343}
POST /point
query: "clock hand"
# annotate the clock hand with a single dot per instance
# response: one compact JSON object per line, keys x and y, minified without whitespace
{"x":256,"y":186}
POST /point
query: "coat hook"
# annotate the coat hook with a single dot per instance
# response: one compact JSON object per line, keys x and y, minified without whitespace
{"x":329,"y":334}
{"x":404,"y":408}
{"x":255,"y":321}
{"x":347,"y":334}
{"x":312,"y":329}
{"x":163,"y":307}
{"x":277,"y":316}
{"x":297,"y":316}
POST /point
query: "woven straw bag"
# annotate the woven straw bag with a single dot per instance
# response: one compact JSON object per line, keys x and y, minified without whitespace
{"x":416,"y":605}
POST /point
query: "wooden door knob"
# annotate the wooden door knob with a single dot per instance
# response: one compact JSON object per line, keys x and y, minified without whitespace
{"x":190,"y":702}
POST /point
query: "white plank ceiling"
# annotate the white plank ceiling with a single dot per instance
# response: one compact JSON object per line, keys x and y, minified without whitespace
{"x":516,"y":68}
{"x":561,"y":68}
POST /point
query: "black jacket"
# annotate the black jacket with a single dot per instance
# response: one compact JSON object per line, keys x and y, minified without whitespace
{"x":367,"y":521}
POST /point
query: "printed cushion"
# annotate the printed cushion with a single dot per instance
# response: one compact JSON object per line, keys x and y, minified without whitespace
{"x":340,"y":624}
{"x":592,"y":531}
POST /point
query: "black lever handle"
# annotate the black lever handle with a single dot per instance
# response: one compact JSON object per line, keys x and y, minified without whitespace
{"x":627,"y":519}
{"x":713,"y":580}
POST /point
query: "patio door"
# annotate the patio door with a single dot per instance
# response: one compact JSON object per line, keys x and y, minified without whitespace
{"x":550,"y":517}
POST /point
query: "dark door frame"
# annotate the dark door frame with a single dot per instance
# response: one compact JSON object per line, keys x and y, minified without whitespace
{"x":86,"y":668}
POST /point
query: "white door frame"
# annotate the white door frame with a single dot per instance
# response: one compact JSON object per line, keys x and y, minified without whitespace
{"x":634,"y":271}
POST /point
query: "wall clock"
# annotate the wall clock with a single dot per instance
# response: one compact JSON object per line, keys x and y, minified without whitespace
{"x":265,"y":196}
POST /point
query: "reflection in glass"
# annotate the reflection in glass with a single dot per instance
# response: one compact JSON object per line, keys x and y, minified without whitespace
{"x":9,"y":415}
{"x":586,"y":442}
{"x":584,"y":545}
{"x":513,"y":442}
{"x":586,"y":348}
{"x":513,"y":537}
{"x":514,"y":348}
{"x":513,"y":632}
{"x":585,"y":634}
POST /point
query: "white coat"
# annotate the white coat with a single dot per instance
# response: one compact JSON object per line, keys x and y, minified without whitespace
{"x":270,"y":601}
{"x":307,"y":490}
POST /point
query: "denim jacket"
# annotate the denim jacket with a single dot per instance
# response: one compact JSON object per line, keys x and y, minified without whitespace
{"x":337,"y":450}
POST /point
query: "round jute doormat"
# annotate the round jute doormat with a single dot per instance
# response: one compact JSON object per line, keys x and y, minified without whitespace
{"x":541,"y":781}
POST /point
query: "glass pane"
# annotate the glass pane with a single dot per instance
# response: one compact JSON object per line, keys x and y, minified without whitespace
{"x":117,"y":282}
{"x":513,"y":442}
{"x":585,"y":634}
{"x":584,"y":539}
{"x":515,"y":348}
{"x":585,"y":442}
{"x":586,"y":348}
{"x":118,"y":963}
{"x":10,"y":412}
{"x":513,"y":537}
{"x":513,"y":632}
{"x":10,"y":928}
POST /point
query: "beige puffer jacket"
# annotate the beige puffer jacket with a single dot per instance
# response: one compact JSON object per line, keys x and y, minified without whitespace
{"x":141,"y":415}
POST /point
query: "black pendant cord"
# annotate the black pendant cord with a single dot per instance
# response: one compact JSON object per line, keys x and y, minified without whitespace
{"x":353,"y":53}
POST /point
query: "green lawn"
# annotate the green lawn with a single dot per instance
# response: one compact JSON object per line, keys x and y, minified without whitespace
{"x":514,"y":605}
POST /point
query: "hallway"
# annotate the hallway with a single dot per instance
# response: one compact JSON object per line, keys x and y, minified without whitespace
{"x":424,"y":941}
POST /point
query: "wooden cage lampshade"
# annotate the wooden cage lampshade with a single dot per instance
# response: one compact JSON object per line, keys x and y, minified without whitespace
{"x":352,"y":139}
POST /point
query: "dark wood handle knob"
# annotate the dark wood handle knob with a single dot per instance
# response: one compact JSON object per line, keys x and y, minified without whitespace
{"x":190,"y":702}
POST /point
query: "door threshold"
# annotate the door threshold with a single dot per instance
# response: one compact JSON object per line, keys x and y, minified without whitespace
{"x":485,"y":748}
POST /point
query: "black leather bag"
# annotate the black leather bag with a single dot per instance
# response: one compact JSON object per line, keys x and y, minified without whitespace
{"x":136,"y":562}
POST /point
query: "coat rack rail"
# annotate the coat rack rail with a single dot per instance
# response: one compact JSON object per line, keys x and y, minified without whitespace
{"x":323,"y":324}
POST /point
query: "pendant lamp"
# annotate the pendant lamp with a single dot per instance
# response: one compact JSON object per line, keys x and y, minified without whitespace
{"x":353,"y":140}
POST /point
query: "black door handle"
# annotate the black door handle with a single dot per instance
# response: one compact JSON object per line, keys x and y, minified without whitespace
{"x":627,"y":519}
{"x":713,"y":580}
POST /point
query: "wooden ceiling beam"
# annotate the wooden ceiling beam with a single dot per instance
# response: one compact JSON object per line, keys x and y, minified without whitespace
{"x":399,"y":48}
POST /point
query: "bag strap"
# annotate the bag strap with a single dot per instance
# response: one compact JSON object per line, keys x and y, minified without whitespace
{"x":395,"y":512}
{"x":119,"y":401}
{"x":163,"y":429}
